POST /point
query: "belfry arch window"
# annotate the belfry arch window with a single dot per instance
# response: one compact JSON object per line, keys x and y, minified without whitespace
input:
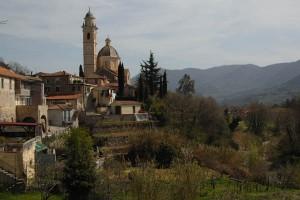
{"x":88,"y":36}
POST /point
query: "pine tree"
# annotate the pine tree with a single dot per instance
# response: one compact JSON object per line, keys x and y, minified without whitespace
{"x":121,"y":79}
{"x":165,"y":84}
{"x":79,"y":171}
{"x":81,"y":73}
{"x":150,"y":71}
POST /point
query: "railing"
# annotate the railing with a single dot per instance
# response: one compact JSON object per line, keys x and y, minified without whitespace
{"x":23,"y":92}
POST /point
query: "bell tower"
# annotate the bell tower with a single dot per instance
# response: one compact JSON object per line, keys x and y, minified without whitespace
{"x":89,"y":29}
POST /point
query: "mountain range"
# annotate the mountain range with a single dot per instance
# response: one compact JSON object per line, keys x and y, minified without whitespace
{"x":242,"y":84}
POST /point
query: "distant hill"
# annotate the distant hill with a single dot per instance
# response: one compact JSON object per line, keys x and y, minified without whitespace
{"x":241,"y":84}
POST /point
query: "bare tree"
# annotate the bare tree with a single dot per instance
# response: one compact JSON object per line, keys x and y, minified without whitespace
{"x":47,"y":179}
{"x":19,"y":68}
{"x":186,"y":85}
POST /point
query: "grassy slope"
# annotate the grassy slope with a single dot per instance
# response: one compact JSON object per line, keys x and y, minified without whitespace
{"x":25,"y":196}
{"x":224,"y":190}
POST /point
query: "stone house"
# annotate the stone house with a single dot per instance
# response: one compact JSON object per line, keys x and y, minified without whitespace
{"x":31,"y":102}
{"x":63,"y":87}
{"x":63,"y":115}
{"x":75,"y":100}
{"x":8,"y":79}
{"x":18,"y":153}
{"x":103,"y":97}
{"x":125,"y":107}
{"x":22,"y":98}
{"x":61,"y":82}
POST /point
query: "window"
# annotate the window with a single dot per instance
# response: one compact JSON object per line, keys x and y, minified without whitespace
{"x":118,"y":110}
{"x":67,"y":116}
{"x":28,"y":101}
{"x":133,"y":109}
{"x":10,"y":84}
{"x":88,"y":36}
{"x":73,"y":88}
{"x":57,"y":89}
{"x":78,"y":87}
{"x":2,"y":83}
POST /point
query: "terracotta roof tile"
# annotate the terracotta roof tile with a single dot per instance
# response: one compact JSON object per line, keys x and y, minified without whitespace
{"x":10,"y":73}
{"x":59,"y":73}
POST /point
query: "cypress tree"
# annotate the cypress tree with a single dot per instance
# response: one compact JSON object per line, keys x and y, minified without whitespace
{"x":165,"y":84}
{"x":150,"y":70}
{"x":121,"y":79}
{"x":141,"y":89}
{"x":161,"y":87}
{"x":80,"y":168}
{"x":81,"y":73}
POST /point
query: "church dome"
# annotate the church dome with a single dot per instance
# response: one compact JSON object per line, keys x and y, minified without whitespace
{"x":108,"y":50}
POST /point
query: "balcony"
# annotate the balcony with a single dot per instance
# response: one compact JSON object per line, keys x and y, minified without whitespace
{"x":22,"y":92}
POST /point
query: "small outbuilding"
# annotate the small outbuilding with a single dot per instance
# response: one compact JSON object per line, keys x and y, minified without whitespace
{"x":63,"y":115}
{"x":125,"y":107}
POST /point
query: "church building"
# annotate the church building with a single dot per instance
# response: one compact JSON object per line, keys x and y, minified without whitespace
{"x":102,"y":68}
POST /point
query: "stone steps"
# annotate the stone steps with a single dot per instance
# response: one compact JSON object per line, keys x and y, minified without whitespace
{"x":12,"y":182}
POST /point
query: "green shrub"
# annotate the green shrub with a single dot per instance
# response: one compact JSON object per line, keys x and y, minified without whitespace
{"x":154,"y":146}
{"x":165,"y":154}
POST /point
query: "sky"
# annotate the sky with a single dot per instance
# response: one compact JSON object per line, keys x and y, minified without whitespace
{"x":46,"y":35}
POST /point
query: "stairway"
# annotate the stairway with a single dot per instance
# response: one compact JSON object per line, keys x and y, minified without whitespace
{"x":11,"y":182}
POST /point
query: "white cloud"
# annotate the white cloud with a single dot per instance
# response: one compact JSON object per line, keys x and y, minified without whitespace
{"x":198,"y":33}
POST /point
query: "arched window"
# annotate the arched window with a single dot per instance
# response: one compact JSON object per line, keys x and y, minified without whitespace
{"x":88,"y":36}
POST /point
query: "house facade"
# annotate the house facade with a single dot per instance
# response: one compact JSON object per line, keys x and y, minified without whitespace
{"x":125,"y":107}
{"x":8,"y":79}
{"x":31,"y":102}
{"x":64,"y":88}
{"x":63,"y":115}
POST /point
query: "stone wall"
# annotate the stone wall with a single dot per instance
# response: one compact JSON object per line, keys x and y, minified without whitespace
{"x":36,"y":112}
{"x":12,"y":163}
{"x":27,"y":111}
{"x":28,"y":155}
